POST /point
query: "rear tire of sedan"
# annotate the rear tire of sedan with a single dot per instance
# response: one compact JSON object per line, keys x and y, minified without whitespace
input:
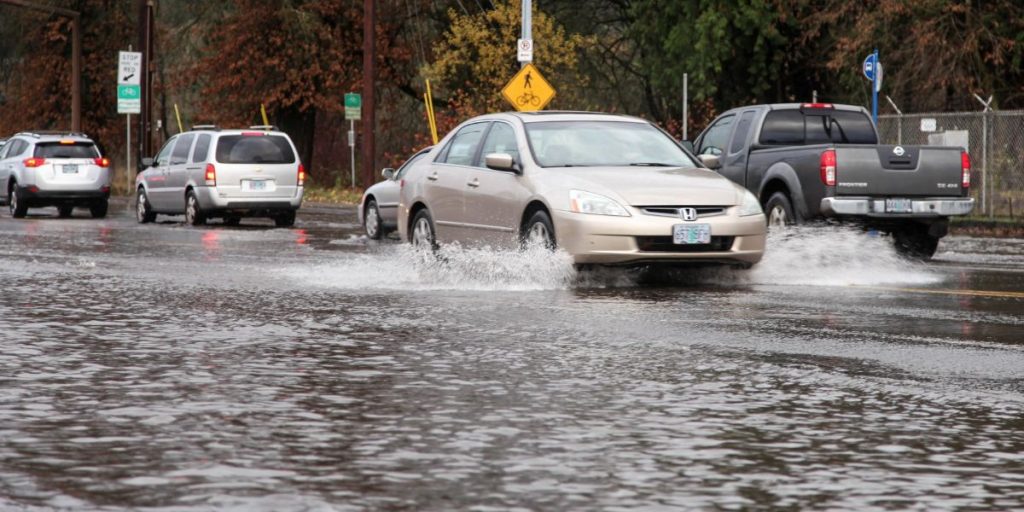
{"x":539,"y":230}
{"x":422,"y":233}
{"x":99,"y":209}
{"x":371,"y":221}
{"x":285,"y":220}
{"x":143,"y":210}
{"x":18,"y":208}
{"x":779,"y":211}
{"x":194,"y":215}
{"x":65,"y":211}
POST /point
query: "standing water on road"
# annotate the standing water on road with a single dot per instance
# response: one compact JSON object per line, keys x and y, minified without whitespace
{"x":171,"y":368}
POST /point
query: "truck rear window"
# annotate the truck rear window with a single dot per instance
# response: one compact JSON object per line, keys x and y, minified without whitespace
{"x":792,"y":127}
{"x":58,"y":150}
{"x":254,"y":149}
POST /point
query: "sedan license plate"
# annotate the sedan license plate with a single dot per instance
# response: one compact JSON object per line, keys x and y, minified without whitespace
{"x":899,"y":205}
{"x":70,"y":169}
{"x":691,"y":234}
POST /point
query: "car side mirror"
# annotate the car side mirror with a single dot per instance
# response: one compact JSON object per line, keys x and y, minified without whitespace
{"x":711,"y":161}
{"x":688,"y":145}
{"x":146,"y":162}
{"x":388,"y":173}
{"x":500,"y":162}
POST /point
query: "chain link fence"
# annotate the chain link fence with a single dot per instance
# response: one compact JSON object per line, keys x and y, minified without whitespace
{"x":994,"y":140}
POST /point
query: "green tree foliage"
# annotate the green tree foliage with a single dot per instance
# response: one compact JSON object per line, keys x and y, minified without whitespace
{"x":475,"y":58}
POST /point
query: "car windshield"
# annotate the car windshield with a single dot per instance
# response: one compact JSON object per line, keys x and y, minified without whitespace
{"x":603,"y":144}
{"x":254,"y":149}
{"x":65,"y":150}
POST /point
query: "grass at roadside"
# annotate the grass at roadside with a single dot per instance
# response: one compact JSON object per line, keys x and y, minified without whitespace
{"x":333,"y":195}
{"x":984,"y":226}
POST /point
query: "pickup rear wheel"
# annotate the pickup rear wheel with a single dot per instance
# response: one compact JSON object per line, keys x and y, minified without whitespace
{"x":915,"y":243}
{"x":779,"y":211}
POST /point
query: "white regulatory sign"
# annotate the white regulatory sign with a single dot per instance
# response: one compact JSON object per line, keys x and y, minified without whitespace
{"x":525,"y":50}
{"x":129,"y":68}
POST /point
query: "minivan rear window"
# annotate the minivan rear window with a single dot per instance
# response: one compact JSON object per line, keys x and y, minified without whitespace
{"x":254,"y":149}
{"x":58,"y":150}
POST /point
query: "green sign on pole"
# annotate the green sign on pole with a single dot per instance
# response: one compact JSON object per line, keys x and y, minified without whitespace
{"x":353,"y":106}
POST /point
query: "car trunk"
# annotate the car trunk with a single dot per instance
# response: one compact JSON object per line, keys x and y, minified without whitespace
{"x":256,"y":165}
{"x":887,"y":170}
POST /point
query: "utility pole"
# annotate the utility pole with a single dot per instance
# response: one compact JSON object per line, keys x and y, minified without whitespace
{"x":369,"y":81}
{"x":76,"y":54}
{"x":145,"y":33}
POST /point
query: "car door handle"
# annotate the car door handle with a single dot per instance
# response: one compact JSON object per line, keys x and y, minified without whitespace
{"x":432,"y":177}
{"x":475,"y":183}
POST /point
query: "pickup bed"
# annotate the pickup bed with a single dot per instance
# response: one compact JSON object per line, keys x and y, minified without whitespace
{"x":816,"y":161}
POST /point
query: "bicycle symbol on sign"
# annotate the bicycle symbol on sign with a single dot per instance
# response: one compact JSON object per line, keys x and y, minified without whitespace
{"x":528,"y":98}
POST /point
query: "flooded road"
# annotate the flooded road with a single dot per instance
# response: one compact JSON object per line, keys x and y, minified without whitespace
{"x":167,"y":367}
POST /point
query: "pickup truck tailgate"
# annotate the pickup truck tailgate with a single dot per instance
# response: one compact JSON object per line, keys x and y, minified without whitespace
{"x":907,"y":171}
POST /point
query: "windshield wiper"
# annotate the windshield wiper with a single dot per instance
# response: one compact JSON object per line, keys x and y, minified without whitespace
{"x":651,"y":164}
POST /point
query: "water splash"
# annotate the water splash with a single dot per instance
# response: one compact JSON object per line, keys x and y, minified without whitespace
{"x":452,"y":267}
{"x":835,"y":256}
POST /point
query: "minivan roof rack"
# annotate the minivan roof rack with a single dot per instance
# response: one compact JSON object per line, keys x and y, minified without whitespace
{"x":205,"y":127}
{"x":39,"y":133}
{"x":268,"y":127}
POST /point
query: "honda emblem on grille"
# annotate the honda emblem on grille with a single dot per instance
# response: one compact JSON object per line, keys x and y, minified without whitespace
{"x":688,"y":213}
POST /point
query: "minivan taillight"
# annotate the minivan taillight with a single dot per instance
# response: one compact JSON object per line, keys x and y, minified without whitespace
{"x":34,"y":162}
{"x":211,"y":175}
{"x":965,"y":169}
{"x":828,"y":167}
{"x":302,"y":174}
{"x":103,"y":162}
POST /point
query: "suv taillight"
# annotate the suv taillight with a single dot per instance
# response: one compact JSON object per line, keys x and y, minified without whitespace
{"x":828,"y":167}
{"x":103,"y":162}
{"x":211,"y":175}
{"x":302,"y":174}
{"x":965,"y":169}
{"x":34,"y":162}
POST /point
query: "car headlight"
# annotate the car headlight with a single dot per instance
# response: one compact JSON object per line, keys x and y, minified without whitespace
{"x":750,"y":205}
{"x":585,"y":202}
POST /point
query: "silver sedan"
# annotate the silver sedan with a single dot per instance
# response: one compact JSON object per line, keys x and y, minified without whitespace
{"x":378,"y":210}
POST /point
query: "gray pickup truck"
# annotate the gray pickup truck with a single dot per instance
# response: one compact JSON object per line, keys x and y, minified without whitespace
{"x":808,"y":161}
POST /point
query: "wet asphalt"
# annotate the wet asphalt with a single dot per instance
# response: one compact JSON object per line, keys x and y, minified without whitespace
{"x":165,"y":367}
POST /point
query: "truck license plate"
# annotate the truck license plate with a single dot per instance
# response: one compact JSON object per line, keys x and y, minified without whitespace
{"x":899,"y":205}
{"x":691,"y":234}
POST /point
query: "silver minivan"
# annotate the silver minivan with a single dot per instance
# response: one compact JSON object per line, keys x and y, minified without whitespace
{"x":208,"y":173}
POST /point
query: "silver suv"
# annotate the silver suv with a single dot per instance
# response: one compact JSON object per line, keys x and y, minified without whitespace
{"x":208,"y":173}
{"x":61,"y":169}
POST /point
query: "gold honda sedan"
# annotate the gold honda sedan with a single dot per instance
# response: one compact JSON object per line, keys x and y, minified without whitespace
{"x":607,"y":189}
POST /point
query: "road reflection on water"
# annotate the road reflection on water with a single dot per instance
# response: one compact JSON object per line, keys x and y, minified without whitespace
{"x":274,"y":369}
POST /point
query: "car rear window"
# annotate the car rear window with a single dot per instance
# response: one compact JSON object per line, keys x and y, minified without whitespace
{"x":58,"y":150}
{"x":254,"y":149}
{"x":792,"y":127}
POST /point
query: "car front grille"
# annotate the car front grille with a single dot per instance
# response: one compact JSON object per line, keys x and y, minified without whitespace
{"x":674,"y":211}
{"x":664,"y":244}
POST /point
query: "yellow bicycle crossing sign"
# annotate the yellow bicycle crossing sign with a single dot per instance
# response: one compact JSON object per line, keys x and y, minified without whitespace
{"x":528,"y":90}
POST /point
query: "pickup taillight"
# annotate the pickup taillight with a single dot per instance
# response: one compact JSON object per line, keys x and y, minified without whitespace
{"x":828,"y":167}
{"x":965,"y":169}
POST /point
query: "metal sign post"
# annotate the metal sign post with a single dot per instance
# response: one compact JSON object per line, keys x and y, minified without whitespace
{"x":353,"y":112}
{"x":129,"y":101}
{"x":527,"y":33}
{"x":873,"y":71}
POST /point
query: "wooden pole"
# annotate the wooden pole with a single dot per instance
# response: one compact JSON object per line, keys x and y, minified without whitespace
{"x":369,"y":99}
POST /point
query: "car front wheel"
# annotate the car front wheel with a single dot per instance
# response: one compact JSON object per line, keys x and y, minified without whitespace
{"x":539,"y":231}
{"x":143,"y":211}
